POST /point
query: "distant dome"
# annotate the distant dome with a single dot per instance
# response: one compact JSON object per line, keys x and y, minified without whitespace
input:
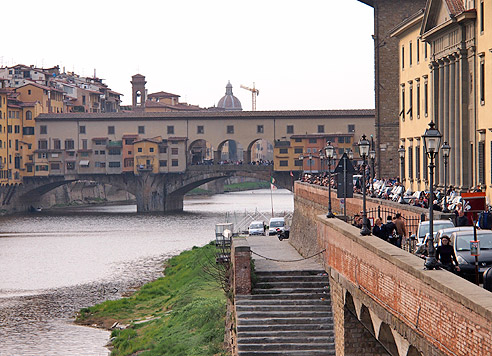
{"x":229,"y":102}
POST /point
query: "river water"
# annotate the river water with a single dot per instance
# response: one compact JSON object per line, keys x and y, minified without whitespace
{"x":54,"y":263}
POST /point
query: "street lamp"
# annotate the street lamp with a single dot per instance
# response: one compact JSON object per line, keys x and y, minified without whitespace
{"x":445,"y":153}
{"x":330,"y":152}
{"x":372,"y":156}
{"x":321,"y":161}
{"x":364,"y":146}
{"x":432,"y":140}
{"x":301,"y":158}
{"x":310,"y":164}
{"x":401,"y":152}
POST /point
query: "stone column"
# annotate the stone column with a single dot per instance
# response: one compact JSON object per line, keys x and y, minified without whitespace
{"x":457,"y":122}
{"x":440,"y":123}
{"x":241,"y":260}
{"x":452,"y":114}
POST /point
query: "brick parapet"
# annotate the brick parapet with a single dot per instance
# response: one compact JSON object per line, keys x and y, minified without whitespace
{"x":241,"y":266}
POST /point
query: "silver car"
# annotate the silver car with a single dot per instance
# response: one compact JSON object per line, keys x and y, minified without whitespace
{"x":423,"y":229}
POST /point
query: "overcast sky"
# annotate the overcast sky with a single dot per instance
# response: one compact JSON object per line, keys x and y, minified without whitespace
{"x":313,"y":54}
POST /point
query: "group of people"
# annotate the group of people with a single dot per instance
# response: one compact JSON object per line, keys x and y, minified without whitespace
{"x":392,"y":231}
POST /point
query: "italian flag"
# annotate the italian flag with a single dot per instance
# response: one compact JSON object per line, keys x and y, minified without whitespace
{"x":272,"y":181}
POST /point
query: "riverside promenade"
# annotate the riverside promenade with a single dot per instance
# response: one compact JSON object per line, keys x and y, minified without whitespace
{"x":276,"y":252}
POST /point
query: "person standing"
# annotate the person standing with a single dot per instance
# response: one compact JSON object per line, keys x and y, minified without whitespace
{"x":378,"y":230}
{"x":462,"y":220}
{"x":390,"y":230}
{"x":445,"y":254}
{"x":401,"y":230}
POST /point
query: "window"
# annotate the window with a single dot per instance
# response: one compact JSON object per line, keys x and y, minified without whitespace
{"x":139,"y":150}
{"x":290,"y":129}
{"x":128,"y":141}
{"x":313,"y":140}
{"x":163,"y":163}
{"x":28,"y":90}
{"x":425,"y":50}
{"x":43,"y":130}
{"x":410,"y":162}
{"x":83,"y":99}
{"x":402,"y":112}
{"x":340,"y":151}
{"x":418,"y":100}
{"x":426,"y":98}
{"x":402,"y":57}
{"x":321,"y":128}
{"x":175,"y":163}
{"x":100,"y":164}
{"x":417,"y":50}
{"x":417,"y":163}
{"x":351,"y":128}
{"x":162,"y":149}
{"x":42,"y":145}
{"x":84,"y":154}
{"x":43,"y":168}
{"x":298,"y":139}
{"x":141,"y":129}
{"x":81,"y":129}
{"x":70,"y":166}
{"x":230,"y":129}
{"x":170,"y":130}
{"x":174,"y":151}
{"x":298,"y":150}
{"x":259,"y":129}
{"x":151,"y":149}
{"x":114,"y":164}
{"x":482,"y":80}
{"x":56,"y":144}
{"x":99,"y":142}
{"x":424,"y":166}
{"x":84,"y":144}
{"x":284,"y":163}
{"x":341,"y":139}
{"x":199,"y":130}
{"x":69,"y":144}
{"x":284,"y":151}
{"x":481,"y":17}
{"x":110,"y":130}
{"x":55,"y":166}
{"x":298,"y":163}
{"x":17,"y":129}
{"x":410,"y":54}
{"x":28,"y":115}
{"x":410,"y":102}
{"x":481,"y":162}
{"x":114,"y":152}
{"x":42,"y":155}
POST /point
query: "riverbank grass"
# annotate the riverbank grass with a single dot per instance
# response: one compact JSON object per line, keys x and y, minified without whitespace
{"x":182,"y":313}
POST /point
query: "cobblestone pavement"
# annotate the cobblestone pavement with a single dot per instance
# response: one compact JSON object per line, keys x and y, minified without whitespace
{"x":272,"y":248}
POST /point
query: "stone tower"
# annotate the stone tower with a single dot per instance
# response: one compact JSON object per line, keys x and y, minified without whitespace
{"x":138,"y":92}
{"x":387,"y":15}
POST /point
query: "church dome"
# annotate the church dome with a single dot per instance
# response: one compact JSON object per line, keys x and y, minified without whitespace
{"x":229,"y":102}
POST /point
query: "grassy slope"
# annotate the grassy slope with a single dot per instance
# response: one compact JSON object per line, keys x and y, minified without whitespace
{"x":186,"y":309}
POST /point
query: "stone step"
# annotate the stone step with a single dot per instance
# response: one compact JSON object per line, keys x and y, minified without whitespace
{"x":290,"y":273}
{"x":285,"y":340}
{"x":290,"y":291}
{"x":284,"y":321}
{"x":291,"y":353}
{"x":283,"y":314}
{"x":282,"y":308}
{"x":284,"y":327}
{"x":280,"y":285}
{"x":287,"y":296}
{"x":315,"y":278}
{"x":282,"y":302}
{"x":288,"y":333}
{"x":286,"y":347}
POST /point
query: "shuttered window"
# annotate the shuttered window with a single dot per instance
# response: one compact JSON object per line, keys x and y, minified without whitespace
{"x":417,"y":162}
{"x":410,"y":162}
{"x":481,"y":162}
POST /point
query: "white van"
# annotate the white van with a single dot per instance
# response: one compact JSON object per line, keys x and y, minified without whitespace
{"x":256,"y":228}
{"x":274,"y":224}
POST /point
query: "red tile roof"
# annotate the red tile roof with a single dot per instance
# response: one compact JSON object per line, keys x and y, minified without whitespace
{"x":163,"y":94}
{"x":455,"y":7}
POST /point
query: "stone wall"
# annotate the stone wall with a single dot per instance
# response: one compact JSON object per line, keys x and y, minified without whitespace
{"x":410,"y":309}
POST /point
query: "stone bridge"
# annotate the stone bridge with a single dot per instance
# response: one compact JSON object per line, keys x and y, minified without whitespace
{"x":384,"y":302}
{"x":153,"y":192}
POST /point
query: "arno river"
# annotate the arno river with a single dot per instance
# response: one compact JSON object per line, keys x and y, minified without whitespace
{"x":54,"y":263}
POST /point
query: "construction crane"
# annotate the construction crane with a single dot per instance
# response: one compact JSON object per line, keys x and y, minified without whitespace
{"x":254,"y":93}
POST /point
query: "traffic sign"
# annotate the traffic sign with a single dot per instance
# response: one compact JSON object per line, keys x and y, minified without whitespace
{"x":348,"y":165}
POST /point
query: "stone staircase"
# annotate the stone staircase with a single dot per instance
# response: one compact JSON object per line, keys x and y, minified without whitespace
{"x":289,"y":313}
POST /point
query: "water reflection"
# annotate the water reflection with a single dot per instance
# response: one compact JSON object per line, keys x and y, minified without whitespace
{"x":54,"y":263}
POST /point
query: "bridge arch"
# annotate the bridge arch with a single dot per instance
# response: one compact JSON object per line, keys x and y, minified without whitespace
{"x":259,"y":145}
{"x":387,"y":339}
{"x":230,"y":150}
{"x":200,"y":151}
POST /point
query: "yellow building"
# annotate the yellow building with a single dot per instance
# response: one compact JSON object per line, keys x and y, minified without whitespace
{"x":51,"y":99}
{"x":3,"y":132}
{"x":146,"y":155}
{"x":156,"y":155}
{"x":445,"y":77}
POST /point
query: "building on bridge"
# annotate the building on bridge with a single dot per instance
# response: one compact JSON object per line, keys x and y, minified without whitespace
{"x":107,"y":143}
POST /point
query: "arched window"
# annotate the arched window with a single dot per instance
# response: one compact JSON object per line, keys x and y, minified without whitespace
{"x":139,"y":98}
{"x":28,"y":115}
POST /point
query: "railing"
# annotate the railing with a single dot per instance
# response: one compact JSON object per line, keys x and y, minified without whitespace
{"x":243,"y":220}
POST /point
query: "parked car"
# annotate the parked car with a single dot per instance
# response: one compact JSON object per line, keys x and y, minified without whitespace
{"x":275,"y":223}
{"x":256,"y":228}
{"x":461,"y":243}
{"x":423,"y":229}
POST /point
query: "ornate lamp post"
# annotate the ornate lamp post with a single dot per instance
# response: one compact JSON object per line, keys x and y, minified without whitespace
{"x":310,"y":163}
{"x":330,"y":152}
{"x":364,"y":145}
{"x":301,"y":158}
{"x":321,"y":161}
{"x":445,"y":153}
{"x":401,"y":153}
{"x":432,"y":140}
{"x":372,"y":156}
